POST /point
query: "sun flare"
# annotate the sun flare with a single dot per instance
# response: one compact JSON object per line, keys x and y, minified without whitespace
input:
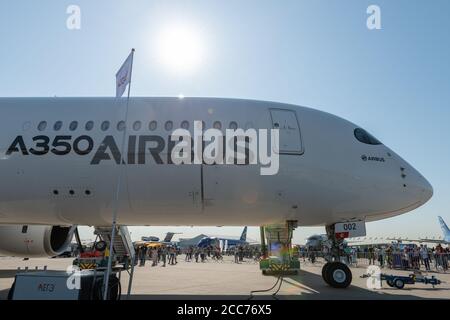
{"x":180,"y":48}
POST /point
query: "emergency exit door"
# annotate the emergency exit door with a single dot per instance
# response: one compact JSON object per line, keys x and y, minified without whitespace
{"x":287,"y":123}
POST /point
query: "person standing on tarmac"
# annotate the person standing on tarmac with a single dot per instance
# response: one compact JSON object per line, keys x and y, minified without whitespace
{"x":196,"y":254}
{"x":154,"y":255}
{"x":203,"y":254}
{"x":236,"y":255}
{"x":163,"y":255}
{"x":371,"y":256}
{"x":142,"y":255}
{"x":169,"y":250}
{"x":175,"y":251}
{"x":425,"y":257}
{"x":241,"y":253}
{"x":172,"y":256}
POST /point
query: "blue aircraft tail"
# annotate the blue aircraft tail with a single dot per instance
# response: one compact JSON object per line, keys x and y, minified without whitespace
{"x":444,"y":228}
{"x":168,"y":237}
{"x":243,"y":235}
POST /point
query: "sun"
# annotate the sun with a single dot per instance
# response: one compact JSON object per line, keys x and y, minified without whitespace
{"x":180,"y":48}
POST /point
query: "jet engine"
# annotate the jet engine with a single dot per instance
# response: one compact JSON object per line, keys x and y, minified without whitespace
{"x":34,"y":240}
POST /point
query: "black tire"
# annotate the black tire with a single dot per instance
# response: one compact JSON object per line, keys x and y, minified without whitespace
{"x":325,"y":273}
{"x":100,"y":246}
{"x":113,"y":288}
{"x":338,"y":275}
{"x":390,"y":283}
{"x":399,"y":283}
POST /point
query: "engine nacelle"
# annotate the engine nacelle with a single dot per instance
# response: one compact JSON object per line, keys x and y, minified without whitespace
{"x":34,"y":240}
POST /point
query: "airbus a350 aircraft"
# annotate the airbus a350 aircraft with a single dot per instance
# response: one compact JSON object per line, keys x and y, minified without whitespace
{"x":59,"y":162}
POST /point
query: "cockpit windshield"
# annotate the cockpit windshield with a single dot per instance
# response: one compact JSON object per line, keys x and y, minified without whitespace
{"x":363,"y":136}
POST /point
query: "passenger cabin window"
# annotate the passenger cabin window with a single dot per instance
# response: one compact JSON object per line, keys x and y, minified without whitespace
{"x":137,"y":126}
{"x":185,"y":124}
{"x":57,"y":126}
{"x":89,"y":125}
{"x":152,"y":125}
{"x":42,"y":125}
{"x":121,"y":125}
{"x":363,"y":136}
{"x":105,"y":125}
{"x":24,"y":229}
{"x":73,"y":126}
{"x":169,"y":125}
{"x":233,"y":125}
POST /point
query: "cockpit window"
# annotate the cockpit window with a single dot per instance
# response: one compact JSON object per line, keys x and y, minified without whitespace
{"x":365,"y":137}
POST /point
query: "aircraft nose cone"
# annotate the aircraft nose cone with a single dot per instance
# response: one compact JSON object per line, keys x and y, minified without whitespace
{"x":423,"y":188}
{"x":427,"y":190}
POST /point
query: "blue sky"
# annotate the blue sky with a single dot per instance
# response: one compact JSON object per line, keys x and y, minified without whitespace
{"x":319,"y":53}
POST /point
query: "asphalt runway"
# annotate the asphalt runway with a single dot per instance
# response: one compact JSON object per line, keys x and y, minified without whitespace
{"x":227,"y":280}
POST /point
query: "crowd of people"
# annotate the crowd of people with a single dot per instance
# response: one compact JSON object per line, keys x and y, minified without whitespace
{"x":168,"y":254}
{"x":156,"y":254}
{"x":391,"y":256}
{"x":408,"y":257}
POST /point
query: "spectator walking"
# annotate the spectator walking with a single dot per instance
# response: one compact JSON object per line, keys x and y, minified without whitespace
{"x":425,"y":257}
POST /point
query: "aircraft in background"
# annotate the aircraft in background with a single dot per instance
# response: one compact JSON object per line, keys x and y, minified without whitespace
{"x":152,"y":239}
{"x":445,"y":232}
{"x":60,"y":159}
{"x":316,"y":242}
{"x":227,"y":242}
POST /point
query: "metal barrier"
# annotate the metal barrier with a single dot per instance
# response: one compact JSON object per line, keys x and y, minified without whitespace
{"x":438,"y":262}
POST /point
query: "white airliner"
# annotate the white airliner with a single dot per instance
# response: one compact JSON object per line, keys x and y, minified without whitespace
{"x":59,"y":166}
{"x":444,"y":240}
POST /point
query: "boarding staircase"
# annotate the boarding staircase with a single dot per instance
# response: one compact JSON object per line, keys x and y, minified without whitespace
{"x":123,"y":249}
{"x":122,"y":245}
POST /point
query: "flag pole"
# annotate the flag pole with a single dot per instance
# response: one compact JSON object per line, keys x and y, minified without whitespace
{"x":117,"y":195}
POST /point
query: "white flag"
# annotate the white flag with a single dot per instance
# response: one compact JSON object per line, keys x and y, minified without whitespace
{"x":123,"y":76}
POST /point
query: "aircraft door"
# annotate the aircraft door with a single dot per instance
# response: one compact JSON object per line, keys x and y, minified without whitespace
{"x":287,"y":123}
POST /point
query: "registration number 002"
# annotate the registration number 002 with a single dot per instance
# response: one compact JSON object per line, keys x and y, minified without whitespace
{"x":350,"y":229}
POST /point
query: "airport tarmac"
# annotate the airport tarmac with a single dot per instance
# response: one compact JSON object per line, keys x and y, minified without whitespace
{"x":227,"y":280}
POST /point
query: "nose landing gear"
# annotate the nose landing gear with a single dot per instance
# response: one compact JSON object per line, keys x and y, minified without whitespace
{"x":335,"y":273}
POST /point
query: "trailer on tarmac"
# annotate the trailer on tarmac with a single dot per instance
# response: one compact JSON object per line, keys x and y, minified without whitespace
{"x":400,"y":281}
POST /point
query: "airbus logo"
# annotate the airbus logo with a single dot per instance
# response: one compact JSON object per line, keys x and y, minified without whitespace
{"x":371,"y":158}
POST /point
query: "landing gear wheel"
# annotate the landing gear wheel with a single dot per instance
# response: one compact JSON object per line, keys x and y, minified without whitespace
{"x":325,"y":273}
{"x":338,"y":275}
{"x":390,"y":283}
{"x":399,"y":284}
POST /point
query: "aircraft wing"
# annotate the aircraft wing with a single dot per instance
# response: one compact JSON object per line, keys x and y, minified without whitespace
{"x":437,"y":241}
{"x":434,"y":241}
